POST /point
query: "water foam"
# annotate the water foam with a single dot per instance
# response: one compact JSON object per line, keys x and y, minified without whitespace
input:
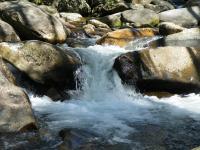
{"x":104,"y":106}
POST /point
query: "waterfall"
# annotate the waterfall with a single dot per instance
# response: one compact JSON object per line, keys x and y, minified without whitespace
{"x":106,"y":107}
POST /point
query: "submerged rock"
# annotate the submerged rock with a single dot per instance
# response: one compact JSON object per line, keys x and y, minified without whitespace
{"x":7,"y":33}
{"x":16,"y":112}
{"x":141,"y":17}
{"x":32,"y":23}
{"x":164,"y":69}
{"x":42,"y":62}
{"x":122,"y":37}
{"x":185,"y":17}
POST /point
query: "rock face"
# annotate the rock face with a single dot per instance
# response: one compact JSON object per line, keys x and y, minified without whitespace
{"x":187,"y":38}
{"x":141,"y":17}
{"x":185,"y":17}
{"x":107,"y":7}
{"x":164,"y":69}
{"x":7,"y":33}
{"x":32,"y":23}
{"x":159,"y":6}
{"x":75,"y":6}
{"x":42,"y":62}
{"x":167,"y":28}
{"x":122,"y":37}
{"x":113,"y":20}
{"x":15,"y":113}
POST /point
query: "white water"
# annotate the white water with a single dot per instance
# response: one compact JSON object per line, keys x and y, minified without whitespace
{"x":106,"y":107}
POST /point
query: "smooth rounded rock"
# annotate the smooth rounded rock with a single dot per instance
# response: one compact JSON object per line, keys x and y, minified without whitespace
{"x":141,"y":17}
{"x":32,"y":23}
{"x":163,"y":69}
{"x":42,"y":62}
{"x":122,"y":37}
{"x":16,"y":113}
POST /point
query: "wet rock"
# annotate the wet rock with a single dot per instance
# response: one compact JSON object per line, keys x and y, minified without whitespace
{"x":164,"y":69}
{"x":89,"y":29}
{"x":42,"y":62}
{"x":77,"y":139}
{"x":141,"y":17}
{"x":81,"y":42}
{"x":7,"y":33}
{"x":31,"y":22}
{"x":167,"y":28}
{"x":187,"y":38}
{"x":185,"y":17}
{"x":122,"y":37}
{"x":16,"y":112}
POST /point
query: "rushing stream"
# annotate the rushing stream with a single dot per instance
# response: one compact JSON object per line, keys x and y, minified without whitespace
{"x":105,"y":107}
{"x":117,"y":114}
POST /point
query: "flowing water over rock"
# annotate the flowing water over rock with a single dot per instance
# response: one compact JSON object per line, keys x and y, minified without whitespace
{"x":115,"y":114}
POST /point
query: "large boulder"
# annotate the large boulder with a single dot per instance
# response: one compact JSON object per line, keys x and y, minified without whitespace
{"x":164,"y":69}
{"x":42,"y":62}
{"x":185,"y":17}
{"x":122,"y":37}
{"x":15,"y":113}
{"x":7,"y":33}
{"x":31,"y":22}
{"x":141,"y":17}
{"x":187,"y":38}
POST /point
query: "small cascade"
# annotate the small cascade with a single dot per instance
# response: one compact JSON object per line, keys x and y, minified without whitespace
{"x":109,"y":109}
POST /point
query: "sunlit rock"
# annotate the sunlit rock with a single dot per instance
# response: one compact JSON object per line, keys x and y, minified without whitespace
{"x":185,"y":17}
{"x":187,"y":38}
{"x":31,"y":22}
{"x":16,"y":112}
{"x":141,"y":17}
{"x":167,"y":28}
{"x":164,"y":69}
{"x":42,"y":62}
{"x":122,"y":37}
